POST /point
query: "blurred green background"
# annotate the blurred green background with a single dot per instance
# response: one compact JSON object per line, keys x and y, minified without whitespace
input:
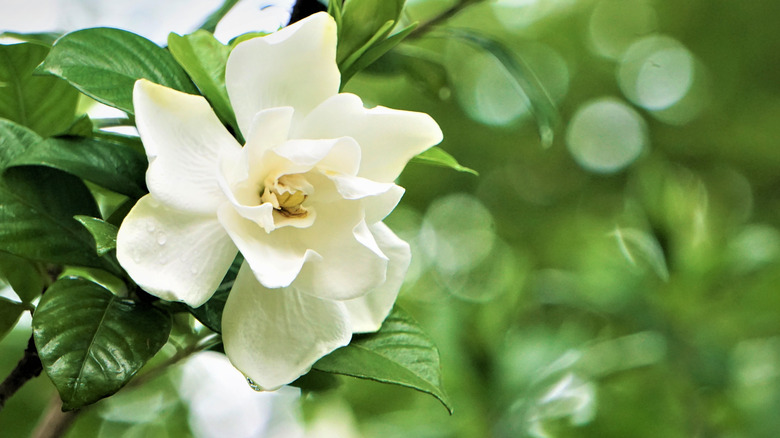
{"x":622,"y":282}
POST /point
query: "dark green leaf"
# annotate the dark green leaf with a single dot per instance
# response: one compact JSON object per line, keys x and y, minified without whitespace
{"x":44,"y":104}
{"x":22,"y":275}
{"x":114,"y":166}
{"x":524,"y":78}
{"x":104,"y":64}
{"x":399,"y":353}
{"x":103,"y":233}
{"x":316,"y":381}
{"x":10,"y":311}
{"x":439,"y":157}
{"x":81,"y":127}
{"x":204,"y":58}
{"x":91,"y":342}
{"x":37,"y":205}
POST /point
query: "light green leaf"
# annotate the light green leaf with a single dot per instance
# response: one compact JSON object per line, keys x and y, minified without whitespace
{"x":363,"y":21}
{"x":103,"y":233}
{"x":374,"y":50}
{"x":104,"y":64}
{"x":114,"y":166}
{"x":204,"y":58}
{"x":22,"y":275}
{"x":46,"y":105}
{"x":524,"y":78}
{"x":91,"y":342}
{"x":439,"y":157}
{"x":45,"y":39}
{"x":10,"y":311}
{"x":37,"y":205}
{"x":638,"y":246}
{"x":399,"y":353}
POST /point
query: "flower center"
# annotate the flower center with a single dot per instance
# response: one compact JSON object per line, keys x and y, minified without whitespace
{"x":287,"y":194}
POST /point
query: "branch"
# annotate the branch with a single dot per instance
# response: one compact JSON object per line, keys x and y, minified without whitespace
{"x":303,"y":8}
{"x":27,"y":369}
{"x":54,"y":423}
{"x":444,"y":16}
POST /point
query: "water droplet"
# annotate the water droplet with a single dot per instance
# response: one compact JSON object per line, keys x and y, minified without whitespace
{"x":253,"y":385}
{"x":194,"y":270}
{"x":136,"y":256}
{"x":161,"y":238}
{"x":150,"y":227}
{"x":163,"y":259}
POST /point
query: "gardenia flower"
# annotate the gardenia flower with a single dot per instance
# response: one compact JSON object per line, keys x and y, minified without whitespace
{"x":303,"y":201}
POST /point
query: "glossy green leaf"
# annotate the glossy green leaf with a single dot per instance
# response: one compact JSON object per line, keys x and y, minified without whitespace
{"x":374,"y":50}
{"x":114,"y":166}
{"x":44,"y":104}
{"x":10,"y":311}
{"x":45,"y":39}
{"x":37,"y":205}
{"x":104,"y":64}
{"x":204,"y":58}
{"x":103,"y":232}
{"x":399,"y":353}
{"x":22,"y":275}
{"x":439,"y":157}
{"x":364,"y":20}
{"x":524,"y":78}
{"x":91,"y":342}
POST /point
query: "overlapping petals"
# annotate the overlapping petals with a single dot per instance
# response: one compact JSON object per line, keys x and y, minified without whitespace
{"x":302,"y":201}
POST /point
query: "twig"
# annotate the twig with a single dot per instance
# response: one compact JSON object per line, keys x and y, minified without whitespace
{"x":54,"y":422}
{"x":303,"y":8}
{"x":444,"y":16}
{"x":27,"y":369}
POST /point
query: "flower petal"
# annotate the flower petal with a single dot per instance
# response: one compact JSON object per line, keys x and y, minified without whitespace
{"x":379,"y":199}
{"x":276,"y":258}
{"x":174,"y":255}
{"x":388,"y":138}
{"x":183,"y":141}
{"x":368,"y":312}
{"x":295,"y":66}
{"x":350,"y":262}
{"x":274,"y":336}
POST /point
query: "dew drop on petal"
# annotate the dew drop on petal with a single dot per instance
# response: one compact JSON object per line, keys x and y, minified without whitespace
{"x":194,"y":269}
{"x":161,"y":238}
{"x":253,"y":385}
{"x":150,"y":227}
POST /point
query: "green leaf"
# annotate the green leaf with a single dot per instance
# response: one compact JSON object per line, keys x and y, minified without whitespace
{"x":204,"y":58}
{"x":524,"y":79}
{"x":640,"y":246}
{"x":103,"y":233}
{"x":104,"y":64}
{"x":10,"y":311}
{"x":373,"y":51}
{"x":45,"y":39}
{"x":22,"y":275}
{"x":114,"y":166}
{"x":46,"y":105}
{"x":399,"y":353}
{"x":37,"y":205}
{"x":363,"y":21}
{"x":211,"y":22}
{"x":91,"y":342}
{"x":81,"y":127}
{"x":439,"y":157}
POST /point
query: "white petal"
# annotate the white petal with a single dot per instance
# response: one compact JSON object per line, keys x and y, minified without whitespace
{"x":379,"y":199}
{"x":274,"y":336}
{"x":350,"y":262}
{"x":388,"y":138}
{"x":270,"y":128}
{"x":174,"y":255}
{"x":183,"y":141}
{"x":276,"y":258}
{"x":368,"y":312}
{"x":340,"y":155}
{"x":295,"y":66}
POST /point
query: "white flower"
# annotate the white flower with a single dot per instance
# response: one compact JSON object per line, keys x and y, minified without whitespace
{"x":303,"y":201}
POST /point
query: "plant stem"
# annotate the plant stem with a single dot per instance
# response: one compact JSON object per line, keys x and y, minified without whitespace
{"x":28,"y":368}
{"x":54,"y":422}
{"x":444,"y":16}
